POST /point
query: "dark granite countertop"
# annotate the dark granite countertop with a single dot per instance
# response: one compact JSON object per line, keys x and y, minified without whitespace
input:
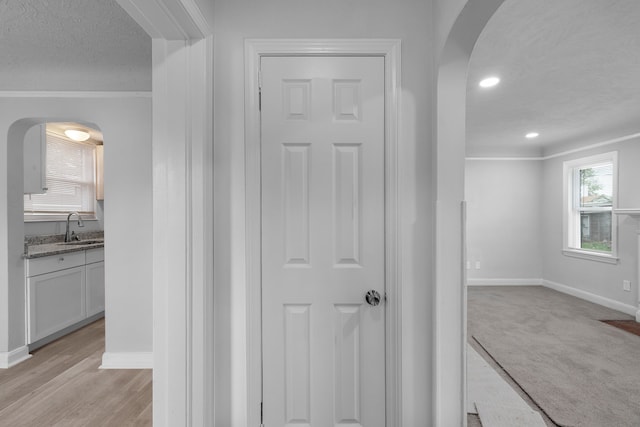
{"x":41,"y":246}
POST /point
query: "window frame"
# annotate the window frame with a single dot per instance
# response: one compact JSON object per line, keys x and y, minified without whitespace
{"x":571,"y":215}
{"x":42,"y":216}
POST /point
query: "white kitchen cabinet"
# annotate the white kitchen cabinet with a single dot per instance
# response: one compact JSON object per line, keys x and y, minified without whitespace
{"x":63,"y":290}
{"x":56,"y":300}
{"x":94,"y":271}
{"x":35,"y":160}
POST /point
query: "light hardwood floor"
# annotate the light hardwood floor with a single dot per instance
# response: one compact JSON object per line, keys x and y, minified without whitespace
{"x":61,"y":385}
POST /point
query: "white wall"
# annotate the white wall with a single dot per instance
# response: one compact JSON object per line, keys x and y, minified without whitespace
{"x":126,"y":124}
{"x":503,"y":221}
{"x":604,"y":280}
{"x":235,"y":20}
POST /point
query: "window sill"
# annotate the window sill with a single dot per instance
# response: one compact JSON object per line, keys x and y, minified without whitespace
{"x":57,"y":218}
{"x":592,"y":256}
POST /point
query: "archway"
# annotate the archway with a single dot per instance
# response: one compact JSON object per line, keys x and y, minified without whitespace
{"x":450,"y":295}
{"x":13,"y":331}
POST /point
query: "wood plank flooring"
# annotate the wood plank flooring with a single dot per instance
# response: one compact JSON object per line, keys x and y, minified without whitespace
{"x":61,"y":385}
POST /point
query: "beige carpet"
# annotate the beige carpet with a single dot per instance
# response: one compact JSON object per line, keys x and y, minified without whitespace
{"x":580,"y":371}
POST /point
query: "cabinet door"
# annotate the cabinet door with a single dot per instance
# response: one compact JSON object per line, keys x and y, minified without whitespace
{"x":35,"y":160}
{"x":95,"y":288}
{"x":56,"y":300}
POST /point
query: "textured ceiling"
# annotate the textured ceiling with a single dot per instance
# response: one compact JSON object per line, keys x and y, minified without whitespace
{"x":72,"y":45}
{"x":570,"y":70}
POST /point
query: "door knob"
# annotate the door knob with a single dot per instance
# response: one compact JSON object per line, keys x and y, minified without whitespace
{"x":372,"y":297}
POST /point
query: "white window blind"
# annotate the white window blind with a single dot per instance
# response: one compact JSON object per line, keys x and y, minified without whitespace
{"x":70,"y":179}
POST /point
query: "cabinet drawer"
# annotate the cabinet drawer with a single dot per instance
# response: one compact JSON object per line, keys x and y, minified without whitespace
{"x":95,"y":255}
{"x":48,"y":264}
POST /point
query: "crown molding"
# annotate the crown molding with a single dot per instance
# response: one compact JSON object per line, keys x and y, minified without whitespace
{"x":560,"y":153}
{"x":73,"y":94}
{"x":168,"y":19}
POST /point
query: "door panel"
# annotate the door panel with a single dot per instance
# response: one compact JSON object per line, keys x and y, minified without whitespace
{"x":322,"y":160}
{"x":296,"y":203}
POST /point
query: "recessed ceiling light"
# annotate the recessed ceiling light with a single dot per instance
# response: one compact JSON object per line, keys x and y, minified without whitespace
{"x":489,"y":82}
{"x":77,"y":134}
{"x":532,"y":135}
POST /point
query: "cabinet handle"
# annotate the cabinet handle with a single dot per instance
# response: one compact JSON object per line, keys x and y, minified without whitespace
{"x":61,"y":259}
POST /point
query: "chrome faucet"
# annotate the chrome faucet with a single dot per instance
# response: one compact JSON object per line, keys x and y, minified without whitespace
{"x":68,"y":235}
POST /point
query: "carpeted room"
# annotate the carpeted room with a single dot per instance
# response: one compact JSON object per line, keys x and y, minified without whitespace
{"x":557,"y":353}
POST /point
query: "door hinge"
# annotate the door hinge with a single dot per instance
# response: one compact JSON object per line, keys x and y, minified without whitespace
{"x":385,"y":297}
{"x":261,"y":415}
{"x":259,"y":90}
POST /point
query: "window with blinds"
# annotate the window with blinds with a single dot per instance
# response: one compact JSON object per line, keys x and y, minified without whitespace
{"x":70,"y":180}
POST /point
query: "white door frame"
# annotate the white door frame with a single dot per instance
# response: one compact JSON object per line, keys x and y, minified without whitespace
{"x":389,"y":49}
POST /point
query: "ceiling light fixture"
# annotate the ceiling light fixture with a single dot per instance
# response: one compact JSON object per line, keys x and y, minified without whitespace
{"x":532,"y":135}
{"x":489,"y":82}
{"x":77,"y":134}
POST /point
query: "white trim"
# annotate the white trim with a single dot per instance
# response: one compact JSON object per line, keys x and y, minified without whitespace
{"x":168,"y":20}
{"x":11,"y":358}
{"x":127,"y":360}
{"x":390,"y":50}
{"x":562,"y":153}
{"x":73,"y":94}
{"x":591,"y":256}
{"x":195,"y":14}
{"x":465,"y":305}
{"x":596,"y":145}
{"x":182,"y":232}
{"x":588,"y":296}
{"x":504,"y":282}
{"x":509,"y":159}
{"x":55,"y":218}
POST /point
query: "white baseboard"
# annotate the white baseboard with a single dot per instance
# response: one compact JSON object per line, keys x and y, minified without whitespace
{"x":13,"y":357}
{"x":129,"y":360}
{"x":504,"y":282}
{"x":588,"y":296}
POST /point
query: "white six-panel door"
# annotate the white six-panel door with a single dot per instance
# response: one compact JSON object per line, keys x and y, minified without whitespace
{"x":322,"y":158}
